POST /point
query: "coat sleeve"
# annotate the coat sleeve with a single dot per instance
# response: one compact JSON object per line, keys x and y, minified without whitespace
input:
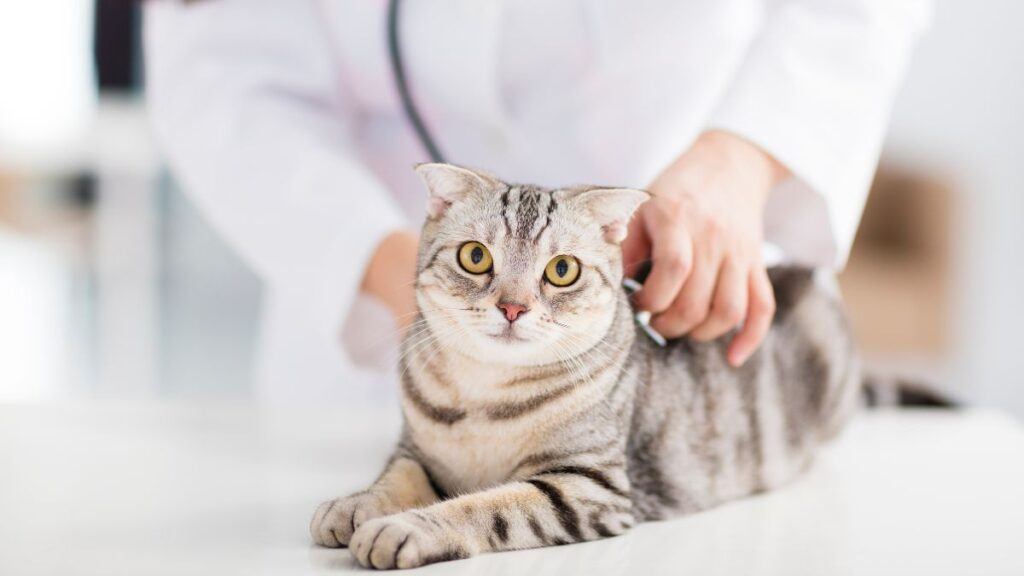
{"x":815,"y":90}
{"x":246,"y":107}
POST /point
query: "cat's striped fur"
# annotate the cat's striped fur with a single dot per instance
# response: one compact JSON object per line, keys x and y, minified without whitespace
{"x":566,"y":425}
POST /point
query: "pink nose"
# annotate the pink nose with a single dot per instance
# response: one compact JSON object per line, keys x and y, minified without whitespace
{"x":511,"y":310}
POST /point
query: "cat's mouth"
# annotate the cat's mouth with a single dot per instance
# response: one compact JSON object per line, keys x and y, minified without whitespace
{"x":508,"y":334}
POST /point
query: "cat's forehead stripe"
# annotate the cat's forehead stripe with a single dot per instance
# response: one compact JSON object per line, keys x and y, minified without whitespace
{"x":547,"y":217}
{"x":505,"y":209}
{"x":527,"y":211}
{"x":510,"y":209}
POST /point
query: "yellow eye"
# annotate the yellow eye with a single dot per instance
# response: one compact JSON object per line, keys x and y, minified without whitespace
{"x":475,"y":258}
{"x":562,"y":270}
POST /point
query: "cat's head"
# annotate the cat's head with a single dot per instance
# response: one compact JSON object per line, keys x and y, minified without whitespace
{"x":516,"y":274}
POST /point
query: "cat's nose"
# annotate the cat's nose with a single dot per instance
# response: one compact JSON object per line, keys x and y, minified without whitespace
{"x":512,"y":310}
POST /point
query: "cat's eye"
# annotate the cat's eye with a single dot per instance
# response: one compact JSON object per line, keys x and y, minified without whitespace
{"x":475,"y":258}
{"x":562,"y":270}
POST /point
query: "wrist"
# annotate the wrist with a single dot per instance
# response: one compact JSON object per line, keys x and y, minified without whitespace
{"x":745,"y":153}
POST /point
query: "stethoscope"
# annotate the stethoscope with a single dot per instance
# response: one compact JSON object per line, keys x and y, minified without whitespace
{"x":427,"y":141}
{"x":398,"y":73}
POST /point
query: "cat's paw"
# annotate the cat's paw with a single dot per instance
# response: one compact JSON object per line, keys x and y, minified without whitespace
{"x":402,"y":541}
{"x":335,"y":521}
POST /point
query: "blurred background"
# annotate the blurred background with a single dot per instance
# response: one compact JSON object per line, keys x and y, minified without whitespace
{"x":112,"y":284}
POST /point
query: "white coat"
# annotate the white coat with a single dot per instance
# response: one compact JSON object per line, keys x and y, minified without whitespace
{"x":281,"y":120}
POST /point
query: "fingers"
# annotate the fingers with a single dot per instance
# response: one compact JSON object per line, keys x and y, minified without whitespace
{"x":758,"y":321}
{"x":690,"y":307}
{"x":729,"y":307}
{"x":636,"y":248}
{"x":672,"y":260}
{"x":701,"y":282}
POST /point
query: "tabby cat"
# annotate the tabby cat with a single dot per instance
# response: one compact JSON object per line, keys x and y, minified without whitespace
{"x":536,"y":413}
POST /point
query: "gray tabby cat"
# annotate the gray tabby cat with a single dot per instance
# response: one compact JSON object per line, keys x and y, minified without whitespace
{"x":534,"y":413}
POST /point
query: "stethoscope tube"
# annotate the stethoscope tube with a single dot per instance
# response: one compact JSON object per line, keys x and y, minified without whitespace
{"x":398,"y":73}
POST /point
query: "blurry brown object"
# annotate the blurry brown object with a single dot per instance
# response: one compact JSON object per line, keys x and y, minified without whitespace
{"x":48,"y":211}
{"x":7,"y":197}
{"x":897,"y":281}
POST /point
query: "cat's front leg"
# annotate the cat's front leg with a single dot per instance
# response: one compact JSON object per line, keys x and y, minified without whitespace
{"x":403,"y":485}
{"x":568,"y":504}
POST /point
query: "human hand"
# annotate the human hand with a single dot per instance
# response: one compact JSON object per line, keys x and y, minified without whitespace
{"x":702,"y":232}
{"x":391,"y":274}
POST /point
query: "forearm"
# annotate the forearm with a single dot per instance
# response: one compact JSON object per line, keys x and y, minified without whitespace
{"x":714,"y":150}
{"x":815,"y":90}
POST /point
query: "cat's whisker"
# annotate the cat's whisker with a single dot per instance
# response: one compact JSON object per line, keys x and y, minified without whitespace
{"x":563,"y":359}
{"x":584,"y":356}
{"x":403,"y":331}
{"x":411,"y":330}
{"x":421,"y":310}
{"x":412,"y":351}
{"x":576,"y":339}
{"x":436,"y":346}
{"x":426,"y":334}
{"x":413,"y":342}
{"x":572,"y":362}
{"x":413,"y":333}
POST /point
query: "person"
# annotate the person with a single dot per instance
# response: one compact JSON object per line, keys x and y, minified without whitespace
{"x":756,"y":125}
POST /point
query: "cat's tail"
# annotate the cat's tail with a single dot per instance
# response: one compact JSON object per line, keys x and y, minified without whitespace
{"x":792,"y":287}
{"x":889,"y":391}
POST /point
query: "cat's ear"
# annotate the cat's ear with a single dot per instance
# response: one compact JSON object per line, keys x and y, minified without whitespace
{"x":612,"y":208}
{"x":447,"y":184}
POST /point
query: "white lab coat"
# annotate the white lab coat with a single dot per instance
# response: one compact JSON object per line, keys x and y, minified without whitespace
{"x":281,"y":120}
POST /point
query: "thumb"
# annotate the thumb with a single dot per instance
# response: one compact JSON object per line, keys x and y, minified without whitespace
{"x":636,"y":248}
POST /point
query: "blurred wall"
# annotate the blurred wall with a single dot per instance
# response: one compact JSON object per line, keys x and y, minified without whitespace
{"x":960,"y":115}
{"x":47,"y":82}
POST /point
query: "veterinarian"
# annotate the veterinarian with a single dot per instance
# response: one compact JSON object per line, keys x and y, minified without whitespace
{"x":757,"y":125}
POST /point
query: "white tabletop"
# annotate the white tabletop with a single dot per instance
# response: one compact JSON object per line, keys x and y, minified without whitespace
{"x":157,"y":488}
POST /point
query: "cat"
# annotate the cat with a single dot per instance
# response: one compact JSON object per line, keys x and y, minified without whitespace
{"x":536,"y":414}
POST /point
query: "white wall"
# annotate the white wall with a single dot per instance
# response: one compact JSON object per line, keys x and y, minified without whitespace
{"x":48,"y":94}
{"x":961,"y":113}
